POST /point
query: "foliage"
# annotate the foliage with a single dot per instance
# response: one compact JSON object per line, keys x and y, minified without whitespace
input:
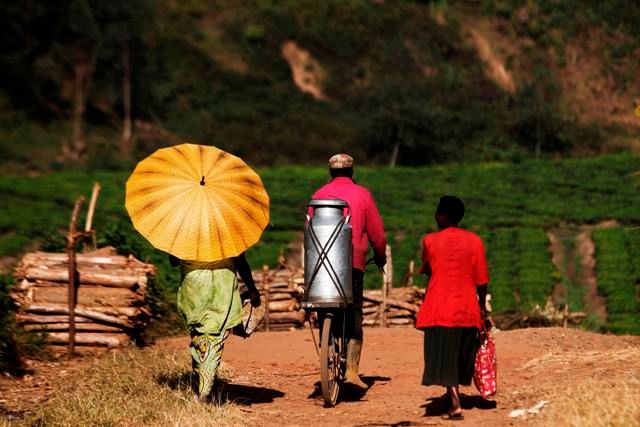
{"x":534,"y":270}
{"x":500,"y":198}
{"x":15,"y":344}
{"x":616,"y":280}
{"x":502,"y":270}
{"x":202,"y":75}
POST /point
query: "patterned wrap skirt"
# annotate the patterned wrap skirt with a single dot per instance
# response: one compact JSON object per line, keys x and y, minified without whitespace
{"x":209,"y":302}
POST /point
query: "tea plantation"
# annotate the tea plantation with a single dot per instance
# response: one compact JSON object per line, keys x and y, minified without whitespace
{"x":510,"y":205}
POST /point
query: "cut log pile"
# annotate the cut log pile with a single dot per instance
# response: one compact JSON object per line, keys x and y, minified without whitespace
{"x":400,"y":307}
{"x":282,"y":290}
{"x":111,"y":292}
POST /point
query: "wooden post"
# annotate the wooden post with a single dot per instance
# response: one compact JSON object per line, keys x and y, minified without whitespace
{"x":388,"y":276}
{"x":383,"y":306}
{"x":73,"y":273}
{"x":265,"y":288}
{"x":92,"y":207}
{"x":387,"y":283}
{"x":412,"y":270}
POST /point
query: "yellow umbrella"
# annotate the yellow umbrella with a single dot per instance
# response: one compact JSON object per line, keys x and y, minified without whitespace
{"x":197,"y":202}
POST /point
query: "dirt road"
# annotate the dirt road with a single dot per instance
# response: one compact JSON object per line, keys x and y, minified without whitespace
{"x":275,"y":376}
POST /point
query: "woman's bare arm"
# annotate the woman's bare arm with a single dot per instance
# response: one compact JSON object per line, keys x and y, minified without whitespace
{"x":482,"y":299}
{"x":244,"y":270}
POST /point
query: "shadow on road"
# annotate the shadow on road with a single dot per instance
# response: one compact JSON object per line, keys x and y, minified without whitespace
{"x":241,"y":394}
{"x":223,"y":391}
{"x":349,"y":392}
{"x":437,"y":406}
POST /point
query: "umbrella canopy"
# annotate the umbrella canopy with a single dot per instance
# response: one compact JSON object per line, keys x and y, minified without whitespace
{"x":197,"y":202}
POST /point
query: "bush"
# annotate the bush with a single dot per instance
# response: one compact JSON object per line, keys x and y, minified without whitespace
{"x":616,"y":280}
{"x":534,"y":268}
{"x":15,"y":344}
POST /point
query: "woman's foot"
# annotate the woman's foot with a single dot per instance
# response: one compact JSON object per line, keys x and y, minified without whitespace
{"x":455,"y":413}
{"x":454,"y":416}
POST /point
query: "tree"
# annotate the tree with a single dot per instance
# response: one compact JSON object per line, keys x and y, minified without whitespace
{"x":79,"y":45}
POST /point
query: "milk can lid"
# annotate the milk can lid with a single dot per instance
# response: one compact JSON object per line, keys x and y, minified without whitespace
{"x":333,"y":203}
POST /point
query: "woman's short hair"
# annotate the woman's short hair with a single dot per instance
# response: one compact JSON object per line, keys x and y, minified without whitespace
{"x":452,"y":207}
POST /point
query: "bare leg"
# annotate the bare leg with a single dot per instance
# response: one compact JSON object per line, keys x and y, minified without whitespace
{"x":454,"y":397}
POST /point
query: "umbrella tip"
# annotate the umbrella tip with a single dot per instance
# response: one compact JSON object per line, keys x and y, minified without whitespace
{"x":202,"y":181}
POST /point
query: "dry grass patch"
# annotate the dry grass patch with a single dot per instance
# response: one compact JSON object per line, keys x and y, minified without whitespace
{"x":132,"y":388}
{"x":596,"y":404}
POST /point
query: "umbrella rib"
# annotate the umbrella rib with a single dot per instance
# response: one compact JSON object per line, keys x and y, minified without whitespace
{"x":178,"y":229}
{"x":140,"y":170}
{"x":218,"y":214}
{"x":247,"y":212}
{"x":231,"y":187}
{"x":167,"y":213}
{"x":186,"y":159}
{"x":234,"y":207}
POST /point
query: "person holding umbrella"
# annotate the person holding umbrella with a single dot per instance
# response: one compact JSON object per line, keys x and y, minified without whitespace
{"x":367,"y":227}
{"x":204,"y":207}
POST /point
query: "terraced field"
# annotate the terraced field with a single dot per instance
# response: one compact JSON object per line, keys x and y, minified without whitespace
{"x":511,"y":206}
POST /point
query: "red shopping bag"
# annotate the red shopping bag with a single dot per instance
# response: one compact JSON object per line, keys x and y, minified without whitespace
{"x":486,"y":371}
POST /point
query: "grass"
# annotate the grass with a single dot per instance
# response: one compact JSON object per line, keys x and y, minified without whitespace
{"x":502,"y":270}
{"x":148,"y":387}
{"x":616,"y":280}
{"x":595,"y":403}
{"x":535,"y":272}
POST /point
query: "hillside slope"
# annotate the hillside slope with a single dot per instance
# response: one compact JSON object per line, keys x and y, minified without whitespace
{"x":278,"y":82}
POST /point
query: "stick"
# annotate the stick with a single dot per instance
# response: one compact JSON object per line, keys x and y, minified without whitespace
{"x":92,"y":207}
{"x":88,"y":338}
{"x":81,"y":311}
{"x":64,"y":327}
{"x":114,"y":279}
{"x":265,"y":287}
{"x":71,"y":253}
{"x":393,"y":303}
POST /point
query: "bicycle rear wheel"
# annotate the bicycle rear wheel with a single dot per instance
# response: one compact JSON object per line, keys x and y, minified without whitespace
{"x":329,"y":362}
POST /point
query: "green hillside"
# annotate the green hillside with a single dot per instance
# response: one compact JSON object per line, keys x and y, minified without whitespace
{"x":510,"y":205}
{"x":430,"y":81}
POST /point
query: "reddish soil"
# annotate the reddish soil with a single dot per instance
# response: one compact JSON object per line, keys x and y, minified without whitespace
{"x":276,"y":376}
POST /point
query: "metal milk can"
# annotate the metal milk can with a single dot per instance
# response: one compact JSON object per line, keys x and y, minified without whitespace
{"x":328,"y":255}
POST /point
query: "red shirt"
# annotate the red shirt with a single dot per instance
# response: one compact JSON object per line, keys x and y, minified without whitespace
{"x":457,"y":261}
{"x":366,"y":223}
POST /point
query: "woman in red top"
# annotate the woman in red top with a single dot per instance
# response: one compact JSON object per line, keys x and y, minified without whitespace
{"x":454,"y":306}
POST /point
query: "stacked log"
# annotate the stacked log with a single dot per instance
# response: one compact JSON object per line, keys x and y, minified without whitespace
{"x":110,"y":308}
{"x":282,"y":290}
{"x":399,"y":308}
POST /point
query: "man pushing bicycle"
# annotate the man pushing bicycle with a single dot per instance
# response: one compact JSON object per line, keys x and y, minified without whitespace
{"x":367,"y":227}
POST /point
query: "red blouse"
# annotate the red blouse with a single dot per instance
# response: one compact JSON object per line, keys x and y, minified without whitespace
{"x":457,"y":261}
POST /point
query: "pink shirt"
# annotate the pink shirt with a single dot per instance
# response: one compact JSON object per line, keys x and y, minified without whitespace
{"x":366,"y":223}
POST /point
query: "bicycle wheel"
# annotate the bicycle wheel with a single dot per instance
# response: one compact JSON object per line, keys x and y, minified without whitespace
{"x":329,"y":362}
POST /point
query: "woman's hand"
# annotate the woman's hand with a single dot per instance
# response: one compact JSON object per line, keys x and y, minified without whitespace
{"x":254,"y":297}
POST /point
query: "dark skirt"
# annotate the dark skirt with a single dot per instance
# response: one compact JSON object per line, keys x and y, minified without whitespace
{"x":449,"y":355}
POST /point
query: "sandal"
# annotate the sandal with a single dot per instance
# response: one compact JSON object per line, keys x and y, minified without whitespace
{"x":453,"y":416}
